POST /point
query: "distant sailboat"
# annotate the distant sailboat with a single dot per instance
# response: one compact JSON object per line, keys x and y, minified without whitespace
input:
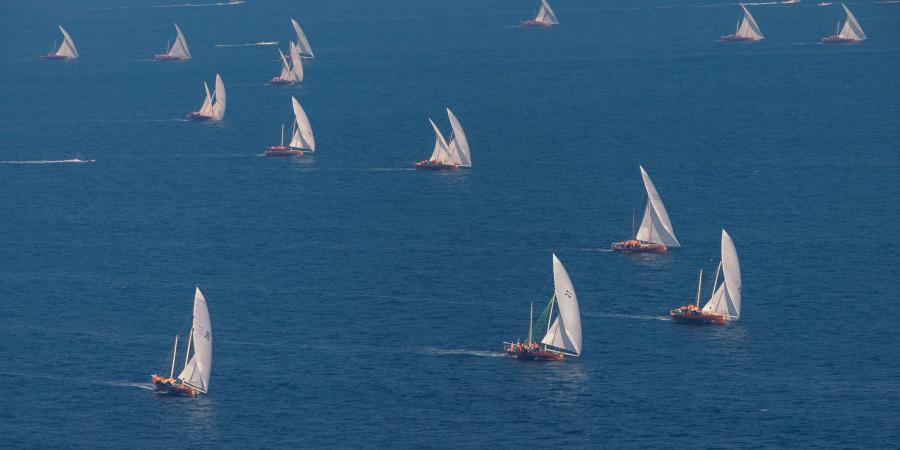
{"x":544,"y":18}
{"x":291,"y":72}
{"x":65,"y":51}
{"x":655,"y":233}
{"x":213,"y":107}
{"x":179,"y":50}
{"x":306,"y":51}
{"x":562,"y":332}
{"x":302,"y":139}
{"x":851,"y":32}
{"x":747,"y":29}
{"x":195,"y":376}
{"x":725,"y":302}
{"x":448,"y":156}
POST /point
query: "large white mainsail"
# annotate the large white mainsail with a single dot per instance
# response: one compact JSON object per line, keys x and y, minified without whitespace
{"x":67,"y":48}
{"x":459,"y":145}
{"x":179,"y":48}
{"x":303,"y":136}
{"x":440,"y":153}
{"x":218,"y":109}
{"x":749,"y":28}
{"x":197,"y":371}
{"x":287,"y":73}
{"x":655,"y":227}
{"x":206,"y":108}
{"x":565,"y":332}
{"x":302,"y":42}
{"x":297,"y":63}
{"x":546,"y":14}
{"x":851,"y":29}
{"x":726,"y":299}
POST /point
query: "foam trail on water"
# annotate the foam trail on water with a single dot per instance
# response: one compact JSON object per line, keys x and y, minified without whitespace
{"x":192,"y":5}
{"x":52,"y":161}
{"x":254,"y":44}
{"x":146,"y":386}
{"x":628,"y":316}
{"x":462,"y":352}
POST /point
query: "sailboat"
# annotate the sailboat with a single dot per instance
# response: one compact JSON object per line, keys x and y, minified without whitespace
{"x":562,"y":332}
{"x":725,"y":302}
{"x":306,"y":51}
{"x":65,"y":51}
{"x":850,"y":33}
{"x":213,"y":107}
{"x":179,"y":50}
{"x":448,"y":156}
{"x":302,"y":139}
{"x":545,"y":17}
{"x":655,"y":233}
{"x":747,"y":29}
{"x":194,"y":377}
{"x":291,"y":72}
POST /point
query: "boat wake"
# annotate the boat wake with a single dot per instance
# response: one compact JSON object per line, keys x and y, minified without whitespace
{"x":52,"y":161}
{"x":192,"y":5}
{"x":254,"y":44}
{"x":462,"y":352}
{"x":629,"y":316}
{"x":146,"y":386}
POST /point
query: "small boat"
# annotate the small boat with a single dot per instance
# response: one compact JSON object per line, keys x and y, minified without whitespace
{"x":291,"y":72}
{"x":747,"y":29}
{"x":448,"y":156}
{"x":194,"y":377}
{"x":306,"y":51}
{"x":65,"y":51}
{"x":302,"y":139}
{"x":790,"y":2}
{"x":562,"y":333}
{"x":545,"y":17}
{"x":851,"y":32}
{"x":179,"y":50}
{"x":824,"y":4}
{"x":725,"y":303}
{"x":213,"y":107}
{"x":655,"y":233}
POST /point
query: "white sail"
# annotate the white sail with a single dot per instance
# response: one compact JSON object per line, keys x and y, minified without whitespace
{"x":302,"y":42}
{"x":655,"y":227}
{"x":287,"y":73}
{"x":851,"y":29}
{"x":303,"y":136}
{"x":726,"y":299}
{"x":179,"y":48}
{"x":565,"y":332}
{"x":206,"y":108}
{"x":440,"y":152}
{"x":459,"y":145}
{"x":297,"y":62}
{"x":749,"y":29}
{"x":546,"y":14}
{"x":67,"y":48}
{"x":218,"y":109}
{"x":197,"y":371}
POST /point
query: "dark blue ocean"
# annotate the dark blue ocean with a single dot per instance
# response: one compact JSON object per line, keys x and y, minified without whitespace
{"x":358,"y":303}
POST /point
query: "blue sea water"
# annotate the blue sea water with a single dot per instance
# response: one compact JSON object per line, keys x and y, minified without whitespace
{"x":358,"y":303}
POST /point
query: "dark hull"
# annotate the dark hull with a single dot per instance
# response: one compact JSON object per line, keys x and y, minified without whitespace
{"x":432,"y":165}
{"x":685,"y":315}
{"x":838,"y":40}
{"x":169,"y":386}
{"x":198,"y":116}
{"x":534,"y":24}
{"x":283,"y":151}
{"x":281,"y":82}
{"x":638,"y":247}
{"x":734,"y":38}
{"x":53,"y":56}
{"x":168,"y":58}
{"x":535,"y":355}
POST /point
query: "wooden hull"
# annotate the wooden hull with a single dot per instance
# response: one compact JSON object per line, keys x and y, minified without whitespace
{"x":170,"y":386}
{"x":634,"y":246}
{"x":169,"y":58}
{"x":838,"y":40}
{"x":734,"y":38}
{"x":534,"y":24}
{"x":434,"y":165}
{"x":535,"y":355}
{"x":281,"y":82}
{"x":687,"y":314}
{"x":200,"y":117}
{"x":278,"y":150}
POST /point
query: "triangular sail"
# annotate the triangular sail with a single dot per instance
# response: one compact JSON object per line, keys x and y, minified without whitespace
{"x":67,"y":48}
{"x":565,"y":332}
{"x":726,"y":300}
{"x":546,"y":14}
{"x":218,"y":109}
{"x":297,"y":63}
{"x":179,"y":48}
{"x":440,"y":152}
{"x":459,"y":145}
{"x":287,"y":73}
{"x":206,"y":109}
{"x":656,"y":226}
{"x":749,"y":29}
{"x":302,"y":42}
{"x":852,"y":29}
{"x":197,"y":371}
{"x":303,"y":136}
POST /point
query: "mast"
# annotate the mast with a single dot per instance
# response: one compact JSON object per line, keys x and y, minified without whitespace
{"x":188,"y":350}
{"x":550,"y":316}
{"x":282,"y":135}
{"x":716,"y":280}
{"x":633,"y":233}
{"x":530,"y":323}
{"x":174,"y":351}
{"x":699,"y":283}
